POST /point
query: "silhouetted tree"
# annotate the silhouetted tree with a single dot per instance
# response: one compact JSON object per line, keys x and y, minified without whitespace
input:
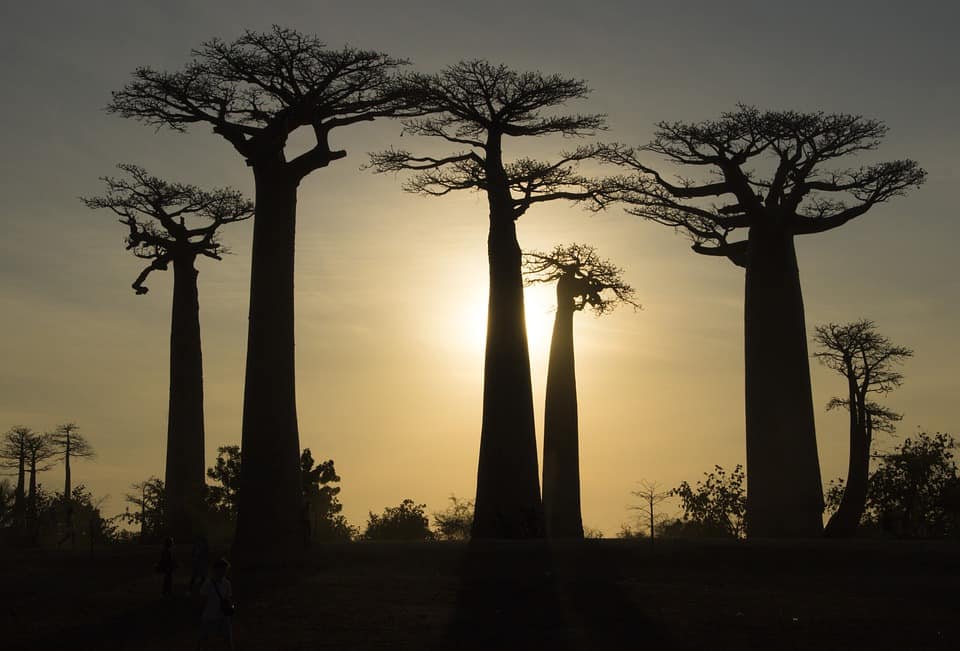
{"x":149,"y":497}
{"x":255,"y":92}
{"x":797,"y":194}
{"x":455,"y":522}
{"x":7,"y":495}
{"x":407,"y":521}
{"x":583,"y":280}
{"x":651,"y":495}
{"x":716,"y":506}
{"x":225,"y":497}
{"x":39,"y":454}
{"x":476,"y":106}
{"x":173,"y":224}
{"x":13,"y":454}
{"x":326,"y":522}
{"x":909,"y":492}
{"x":66,"y":443}
{"x":867,"y":360}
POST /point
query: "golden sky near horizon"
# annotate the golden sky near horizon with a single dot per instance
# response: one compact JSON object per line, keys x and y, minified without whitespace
{"x":391,"y":288}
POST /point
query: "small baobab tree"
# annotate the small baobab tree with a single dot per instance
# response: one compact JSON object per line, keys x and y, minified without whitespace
{"x":651,"y":495}
{"x":583,"y":280}
{"x":773,"y":178}
{"x":68,"y":444}
{"x":14,"y":454}
{"x":475,"y":106}
{"x":172,"y":224}
{"x":39,"y":459}
{"x":255,"y":92}
{"x":867,"y":361}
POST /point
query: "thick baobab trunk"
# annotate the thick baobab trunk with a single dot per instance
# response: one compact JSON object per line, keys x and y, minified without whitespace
{"x":561,"y":440}
{"x":184,"y":477}
{"x":270,"y":518}
{"x":784,"y":494}
{"x":508,"y":486}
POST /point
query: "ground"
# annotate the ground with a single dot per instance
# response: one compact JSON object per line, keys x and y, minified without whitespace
{"x":606,"y":594}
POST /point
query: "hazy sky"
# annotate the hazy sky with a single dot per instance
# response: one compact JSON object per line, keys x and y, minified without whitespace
{"x":391,"y":288}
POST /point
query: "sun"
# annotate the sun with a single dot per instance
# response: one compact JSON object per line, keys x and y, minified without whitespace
{"x":470,"y":323}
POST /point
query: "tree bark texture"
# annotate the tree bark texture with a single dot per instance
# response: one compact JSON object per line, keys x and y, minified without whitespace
{"x":561,"y":440}
{"x":184,"y":477}
{"x":270,"y":521}
{"x":784,"y":493}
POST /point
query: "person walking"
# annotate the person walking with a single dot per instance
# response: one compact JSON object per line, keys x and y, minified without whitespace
{"x":166,"y":565}
{"x":218,"y":606}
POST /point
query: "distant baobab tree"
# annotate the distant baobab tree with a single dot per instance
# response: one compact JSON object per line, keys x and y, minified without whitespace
{"x":867,"y":360}
{"x":583,"y":280}
{"x":174,"y":224}
{"x":39,"y":454}
{"x":475,"y":106}
{"x":255,"y":92}
{"x":66,"y":443}
{"x":651,"y":494}
{"x":797,"y":193}
{"x":14,"y":454}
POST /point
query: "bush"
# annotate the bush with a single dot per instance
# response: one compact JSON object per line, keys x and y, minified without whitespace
{"x":404,"y":522}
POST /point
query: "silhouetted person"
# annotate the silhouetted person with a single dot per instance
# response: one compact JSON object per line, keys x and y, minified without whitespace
{"x":200,"y":562}
{"x":217,"y":606}
{"x":166,"y":565}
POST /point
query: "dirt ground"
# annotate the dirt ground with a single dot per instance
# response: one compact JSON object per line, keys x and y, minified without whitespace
{"x":606,"y":594}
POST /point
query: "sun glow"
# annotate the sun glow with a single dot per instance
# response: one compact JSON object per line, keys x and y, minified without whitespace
{"x":469,"y":328}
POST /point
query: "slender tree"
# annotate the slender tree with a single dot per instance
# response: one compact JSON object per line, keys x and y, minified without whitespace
{"x":772,"y":179}
{"x":14,"y":454}
{"x":39,"y":455}
{"x":867,"y":360}
{"x":174,"y":224}
{"x":475,"y":106}
{"x":583,"y":280}
{"x":255,"y":92}
{"x":68,"y":443}
{"x":651,"y":494}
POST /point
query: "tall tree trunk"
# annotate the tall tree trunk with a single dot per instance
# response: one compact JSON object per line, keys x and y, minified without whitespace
{"x":270,"y":516}
{"x":184,"y":475}
{"x":19,"y":495}
{"x":32,"y":518}
{"x":508,"y":485}
{"x":67,"y":494}
{"x":784,"y":494}
{"x":561,"y":438}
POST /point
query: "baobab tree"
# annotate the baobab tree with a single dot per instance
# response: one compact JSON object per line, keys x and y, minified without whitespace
{"x":475,"y":106}
{"x":172,"y":224}
{"x":772,"y":179}
{"x":66,"y":442}
{"x":651,"y":494}
{"x":583,"y":280}
{"x":867,"y":361}
{"x":255,"y":92}
{"x":39,"y":454}
{"x":14,"y":455}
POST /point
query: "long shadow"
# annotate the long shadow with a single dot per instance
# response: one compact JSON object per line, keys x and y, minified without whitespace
{"x":545,"y":595}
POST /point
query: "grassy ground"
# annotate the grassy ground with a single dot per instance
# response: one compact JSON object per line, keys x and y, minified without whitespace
{"x":596,"y":595}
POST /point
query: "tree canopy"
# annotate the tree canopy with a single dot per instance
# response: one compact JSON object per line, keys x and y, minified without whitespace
{"x":761,"y":167}
{"x":258,"y":89}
